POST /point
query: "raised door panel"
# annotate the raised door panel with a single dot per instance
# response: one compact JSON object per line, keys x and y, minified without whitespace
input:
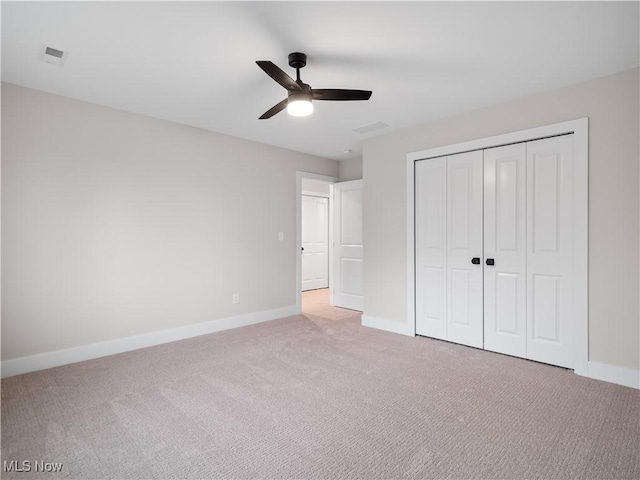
{"x":550,"y":255}
{"x":351,"y":217}
{"x":351,"y":276}
{"x":431,"y":248}
{"x":505,"y":306}
{"x":464,"y":242}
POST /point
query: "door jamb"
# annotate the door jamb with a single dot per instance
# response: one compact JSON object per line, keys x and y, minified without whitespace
{"x":580,"y":129}
{"x":311,"y":176}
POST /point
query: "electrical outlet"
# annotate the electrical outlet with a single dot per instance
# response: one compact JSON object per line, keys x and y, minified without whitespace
{"x":236,"y":298}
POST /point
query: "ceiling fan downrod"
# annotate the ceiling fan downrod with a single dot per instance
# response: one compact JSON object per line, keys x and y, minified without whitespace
{"x":297,"y":60}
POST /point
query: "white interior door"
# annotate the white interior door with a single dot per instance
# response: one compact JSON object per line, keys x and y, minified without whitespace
{"x":505,"y":293}
{"x":464,"y":244}
{"x":431,"y":247}
{"x":315,"y":242}
{"x":346,"y":288}
{"x":549,"y":250}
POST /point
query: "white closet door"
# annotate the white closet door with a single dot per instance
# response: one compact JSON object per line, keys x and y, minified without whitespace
{"x":505,"y":294}
{"x":464,"y":243}
{"x":315,"y":242}
{"x":549,"y":250}
{"x":347,"y":288}
{"x":431,"y":247}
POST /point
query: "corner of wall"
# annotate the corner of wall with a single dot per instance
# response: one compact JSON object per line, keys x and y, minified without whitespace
{"x":351,"y":169}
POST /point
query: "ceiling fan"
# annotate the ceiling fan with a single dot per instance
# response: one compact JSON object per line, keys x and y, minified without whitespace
{"x":298,"y":102}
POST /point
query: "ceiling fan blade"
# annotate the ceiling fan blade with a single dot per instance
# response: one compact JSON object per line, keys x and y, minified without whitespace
{"x":340,"y":95}
{"x":275,"y":109}
{"x":278,"y":75}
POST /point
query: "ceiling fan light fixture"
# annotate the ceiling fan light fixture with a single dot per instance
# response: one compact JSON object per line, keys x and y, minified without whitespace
{"x":299,"y":104}
{"x":300,"y":94}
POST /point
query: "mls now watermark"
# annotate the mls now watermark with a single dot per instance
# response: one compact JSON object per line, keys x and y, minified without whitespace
{"x":29,"y":466}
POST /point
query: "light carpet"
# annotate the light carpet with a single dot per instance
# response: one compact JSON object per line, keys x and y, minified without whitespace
{"x":318,"y":396}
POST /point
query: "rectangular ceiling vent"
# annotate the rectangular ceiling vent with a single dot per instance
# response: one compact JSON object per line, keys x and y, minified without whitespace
{"x":371,"y":128}
{"x":53,"y":52}
{"x":53,"y":55}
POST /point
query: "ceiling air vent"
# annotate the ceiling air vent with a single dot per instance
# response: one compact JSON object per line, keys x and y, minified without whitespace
{"x":53,"y":55}
{"x":371,"y":128}
{"x":53,"y":52}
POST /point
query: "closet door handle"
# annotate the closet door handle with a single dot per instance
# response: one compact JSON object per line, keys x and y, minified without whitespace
{"x":475,"y":260}
{"x":490,"y":261}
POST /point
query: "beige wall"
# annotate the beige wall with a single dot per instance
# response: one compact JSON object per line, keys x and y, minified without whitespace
{"x":351,"y":169}
{"x":315,"y":187}
{"x":115,"y":224}
{"x":612,"y":105}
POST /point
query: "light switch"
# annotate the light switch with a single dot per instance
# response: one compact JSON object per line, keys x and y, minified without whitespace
{"x":281,"y":236}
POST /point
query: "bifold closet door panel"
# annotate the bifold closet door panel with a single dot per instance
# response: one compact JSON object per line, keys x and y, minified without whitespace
{"x":431,"y":249}
{"x":505,"y":293}
{"x":549,"y":250}
{"x":464,"y":243}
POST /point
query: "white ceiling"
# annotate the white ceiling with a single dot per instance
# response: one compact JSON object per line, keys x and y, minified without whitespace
{"x":194,"y":62}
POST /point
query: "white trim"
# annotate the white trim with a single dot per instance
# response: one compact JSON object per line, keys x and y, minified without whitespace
{"x":613,"y":374}
{"x":387,"y":325}
{"x":411,"y":247}
{"x":504,"y":139}
{"x":581,"y":246}
{"x":580,"y":129}
{"x":310,"y":193}
{"x":112,"y":347}
{"x":332,"y":244}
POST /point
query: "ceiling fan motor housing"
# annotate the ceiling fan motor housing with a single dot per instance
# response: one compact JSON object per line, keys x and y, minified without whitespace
{"x":297,"y":60}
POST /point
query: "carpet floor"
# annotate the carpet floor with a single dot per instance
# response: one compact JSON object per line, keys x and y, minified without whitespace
{"x":318,"y":396}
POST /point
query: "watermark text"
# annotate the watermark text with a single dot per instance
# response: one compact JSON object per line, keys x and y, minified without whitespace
{"x":29,"y":466}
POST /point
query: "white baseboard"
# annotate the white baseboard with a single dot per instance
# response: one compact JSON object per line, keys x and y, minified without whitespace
{"x":599,"y":371}
{"x":610,"y":373}
{"x":111,"y":347}
{"x":387,"y":325}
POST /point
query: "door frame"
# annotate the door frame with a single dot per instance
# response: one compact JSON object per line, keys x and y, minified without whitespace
{"x":580,"y":129}
{"x":310,"y":176}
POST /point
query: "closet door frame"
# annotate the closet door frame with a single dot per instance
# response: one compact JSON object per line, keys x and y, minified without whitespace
{"x":579,"y":128}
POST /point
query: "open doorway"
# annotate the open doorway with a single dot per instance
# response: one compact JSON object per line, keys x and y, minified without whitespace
{"x":315,"y":245}
{"x":329,"y":242}
{"x":315,"y":235}
{"x":313,"y":270}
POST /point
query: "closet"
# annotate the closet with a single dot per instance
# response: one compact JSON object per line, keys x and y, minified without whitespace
{"x":494,"y":249}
